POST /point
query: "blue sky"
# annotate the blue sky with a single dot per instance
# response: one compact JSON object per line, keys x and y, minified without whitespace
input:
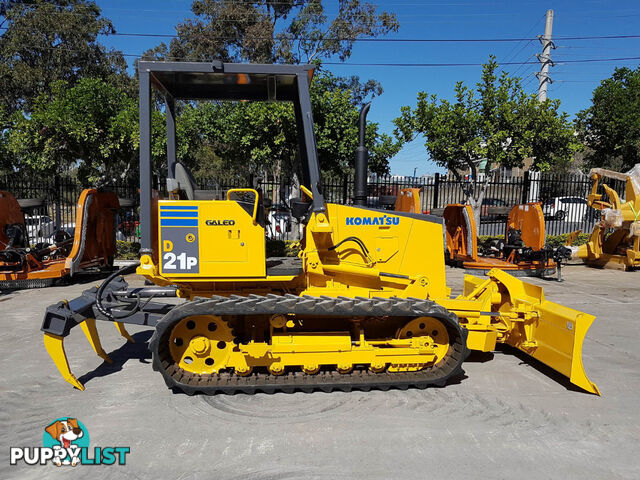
{"x":442,"y":19}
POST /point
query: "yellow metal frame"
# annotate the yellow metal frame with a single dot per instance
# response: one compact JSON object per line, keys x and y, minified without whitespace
{"x":255,"y":201}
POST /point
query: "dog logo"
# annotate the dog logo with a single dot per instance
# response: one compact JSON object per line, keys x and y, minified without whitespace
{"x":66,"y":436}
{"x":65,"y":441}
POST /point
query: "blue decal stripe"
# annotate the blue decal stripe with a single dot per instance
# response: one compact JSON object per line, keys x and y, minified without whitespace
{"x":178,"y":207}
{"x":182,"y":214}
{"x":178,"y":222}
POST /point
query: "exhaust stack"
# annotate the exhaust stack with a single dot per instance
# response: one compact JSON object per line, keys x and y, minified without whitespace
{"x":362,"y":160}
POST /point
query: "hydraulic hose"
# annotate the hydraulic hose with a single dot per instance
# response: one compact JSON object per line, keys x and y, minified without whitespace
{"x":122,"y":271}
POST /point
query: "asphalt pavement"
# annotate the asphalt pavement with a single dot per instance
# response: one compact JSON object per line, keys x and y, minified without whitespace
{"x":508,"y":417}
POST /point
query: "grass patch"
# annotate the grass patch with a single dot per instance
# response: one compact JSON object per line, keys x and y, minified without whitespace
{"x":127,"y":250}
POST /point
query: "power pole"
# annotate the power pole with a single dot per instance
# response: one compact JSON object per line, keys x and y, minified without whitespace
{"x":545,"y":58}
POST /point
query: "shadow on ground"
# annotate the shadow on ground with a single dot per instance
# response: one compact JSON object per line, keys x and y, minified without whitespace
{"x":540,"y":367}
{"x":479,"y":357}
{"x":128,"y":351}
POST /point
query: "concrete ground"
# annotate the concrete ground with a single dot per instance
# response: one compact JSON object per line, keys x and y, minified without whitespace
{"x":507,"y":418}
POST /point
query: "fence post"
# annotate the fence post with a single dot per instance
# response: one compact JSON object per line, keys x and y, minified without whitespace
{"x":57,"y":205}
{"x":436,"y":190}
{"x":525,"y":187}
{"x":345,"y":189}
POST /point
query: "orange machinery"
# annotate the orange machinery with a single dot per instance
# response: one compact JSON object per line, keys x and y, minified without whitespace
{"x":521,"y":251}
{"x":409,"y":200}
{"x":92,"y":245}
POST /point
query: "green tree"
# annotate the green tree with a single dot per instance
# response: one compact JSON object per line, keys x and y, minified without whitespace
{"x":273,"y":31}
{"x":497,"y":124}
{"x":46,"y":41}
{"x":610,"y":127}
{"x":6,"y":160}
{"x":276,"y":31}
{"x":260,"y":138}
{"x":90,"y":127}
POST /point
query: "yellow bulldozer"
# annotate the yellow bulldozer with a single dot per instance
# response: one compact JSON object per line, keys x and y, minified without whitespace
{"x":615,"y":240}
{"x":365,"y":305}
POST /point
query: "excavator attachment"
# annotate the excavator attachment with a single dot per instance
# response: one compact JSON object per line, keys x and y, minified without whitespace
{"x":92,"y":245}
{"x":408,"y":200}
{"x":505,"y":309}
{"x":615,"y":240}
{"x":521,"y":251}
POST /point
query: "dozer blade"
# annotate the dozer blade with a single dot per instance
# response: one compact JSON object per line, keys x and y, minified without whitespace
{"x":559,"y":337}
{"x":524,"y":319}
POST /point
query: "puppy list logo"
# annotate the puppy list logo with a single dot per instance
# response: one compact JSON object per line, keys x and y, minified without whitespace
{"x":66,"y":443}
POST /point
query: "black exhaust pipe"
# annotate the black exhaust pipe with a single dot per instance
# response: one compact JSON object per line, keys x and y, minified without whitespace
{"x":362,"y":161}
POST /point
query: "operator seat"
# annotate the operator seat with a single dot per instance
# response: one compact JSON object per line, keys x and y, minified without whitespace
{"x":183,"y":180}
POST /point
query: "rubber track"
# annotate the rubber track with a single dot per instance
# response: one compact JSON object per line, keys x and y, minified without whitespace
{"x":178,"y":379}
{"x":27,"y":284}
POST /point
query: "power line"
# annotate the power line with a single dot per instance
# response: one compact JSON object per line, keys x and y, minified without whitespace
{"x":523,"y":67}
{"x":525,"y":45}
{"x":169,"y":57}
{"x":577,"y":81}
{"x":391,"y":40}
{"x":519,"y":51}
{"x":593,"y":13}
{"x":376,"y":40}
{"x":529,"y":81}
{"x":228,"y":17}
{"x":586,"y":60}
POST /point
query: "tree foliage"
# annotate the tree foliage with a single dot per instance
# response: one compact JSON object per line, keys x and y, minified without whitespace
{"x":260,"y":138}
{"x":91,"y":127}
{"x":610,"y":127}
{"x":46,"y":41}
{"x":69,"y":104}
{"x":495,"y":124}
{"x":273,"y":31}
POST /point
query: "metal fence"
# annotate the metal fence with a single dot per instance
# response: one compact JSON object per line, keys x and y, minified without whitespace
{"x":563,"y":197}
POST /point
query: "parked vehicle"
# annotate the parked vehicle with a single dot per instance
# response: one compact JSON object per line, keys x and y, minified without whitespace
{"x":382,"y":202}
{"x":568,"y":209}
{"x":39,"y":226}
{"x":129,"y":223}
{"x":489,"y":214}
{"x":278,"y":222}
{"x":365,"y":305}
